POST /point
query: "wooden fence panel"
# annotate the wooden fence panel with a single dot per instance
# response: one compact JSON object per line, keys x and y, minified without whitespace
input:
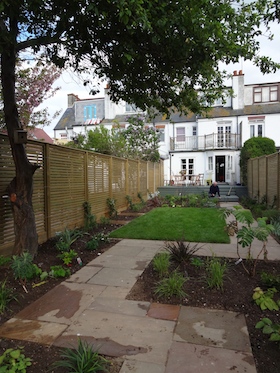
{"x":118,"y":176}
{"x":66,"y":189}
{"x":133,"y":178}
{"x":264,"y":178}
{"x":272,"y":179}
{"x":65,"y":180}
{"x":98,"y":182}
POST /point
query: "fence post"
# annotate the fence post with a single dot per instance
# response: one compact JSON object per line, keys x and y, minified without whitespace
{"x":110,"y":177}
{"x":86,"y":176}
{"x":47,"y":173}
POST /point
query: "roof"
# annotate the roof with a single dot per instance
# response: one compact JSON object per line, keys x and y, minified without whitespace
{"x":67,"y":119}
{"x":39,"y":134}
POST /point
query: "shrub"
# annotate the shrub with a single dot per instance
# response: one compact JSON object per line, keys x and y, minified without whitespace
{"x":92,"y":245}
{"x":66,"y":238}
{"x":59,"y":271}
{"x":181,"y":252}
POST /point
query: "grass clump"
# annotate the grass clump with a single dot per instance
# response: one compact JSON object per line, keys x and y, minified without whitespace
{"x":83,"y":359}
{"x":161,"y":264}
{"x":171,"y":286}
{"x":215,"y":272}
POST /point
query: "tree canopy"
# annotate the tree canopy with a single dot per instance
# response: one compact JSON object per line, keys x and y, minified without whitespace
{"x":252,"y":148}
{"x":158,"y":54}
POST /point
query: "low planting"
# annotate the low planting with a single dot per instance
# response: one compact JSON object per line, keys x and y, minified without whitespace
{"x":83,"y":359}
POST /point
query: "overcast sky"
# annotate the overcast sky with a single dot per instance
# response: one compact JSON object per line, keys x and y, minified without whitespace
{"x":71,"y":84}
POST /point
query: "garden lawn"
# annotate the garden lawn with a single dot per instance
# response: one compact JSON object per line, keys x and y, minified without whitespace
{"x":172,"y":224}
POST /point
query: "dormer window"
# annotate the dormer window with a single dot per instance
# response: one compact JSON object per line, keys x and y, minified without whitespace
{"x":265,"y":94}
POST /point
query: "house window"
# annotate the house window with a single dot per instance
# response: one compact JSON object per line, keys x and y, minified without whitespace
{"x":224,"y":136}
{"x":180,"y":133}
{"x":256,"y":130}
{"x":229,"y":162}
{"x":265,"y":94}
{"x":130,"y":108}
{"x":161,"y":134}
{"x":194,"y":131}
{"x":187,"y":165}
{"x":90,"y":112}
{"x":210,"y":163}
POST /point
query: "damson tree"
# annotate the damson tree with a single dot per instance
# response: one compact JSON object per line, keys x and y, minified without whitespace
{"x":154,"y":53}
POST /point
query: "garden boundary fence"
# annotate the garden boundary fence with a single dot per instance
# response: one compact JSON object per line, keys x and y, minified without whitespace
{"x":263,"y":179}
{"x":66,"y":179}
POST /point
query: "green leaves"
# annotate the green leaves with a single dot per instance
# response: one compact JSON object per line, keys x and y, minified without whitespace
{"x":268,"y":327}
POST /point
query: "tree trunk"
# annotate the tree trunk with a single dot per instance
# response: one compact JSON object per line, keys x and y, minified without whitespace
{"x":21,"y":187}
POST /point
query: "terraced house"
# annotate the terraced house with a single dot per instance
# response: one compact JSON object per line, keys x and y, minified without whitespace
{"x":195,"y":149}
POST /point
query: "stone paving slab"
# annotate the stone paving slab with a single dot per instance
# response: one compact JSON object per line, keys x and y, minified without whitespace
{"x":116,"y":277}
{"x":164,"y":311}
{"x":84,"y":274}
{"x":120,"y":261}
{"x":134,"y":366}
{"x":124,"y":307}
{"x":32,"y":330}
{"x":217,"y":328}
{"x":194,"y":358}
{"x":115,"y":292}
{"x":149,"y":339}
{"x":62,"y":304}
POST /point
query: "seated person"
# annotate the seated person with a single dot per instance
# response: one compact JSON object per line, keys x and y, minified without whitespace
{"x":214,"y":189}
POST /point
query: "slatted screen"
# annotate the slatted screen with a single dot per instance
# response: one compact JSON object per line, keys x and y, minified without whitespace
{"x":65,"y":180}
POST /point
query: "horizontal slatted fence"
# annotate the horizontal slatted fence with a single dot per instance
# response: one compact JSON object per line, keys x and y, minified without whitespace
{"x":66,"y":179}
{"x":264,"y":178}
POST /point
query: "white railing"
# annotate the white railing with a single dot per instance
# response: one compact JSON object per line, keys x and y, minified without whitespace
{"x":211,"y":141}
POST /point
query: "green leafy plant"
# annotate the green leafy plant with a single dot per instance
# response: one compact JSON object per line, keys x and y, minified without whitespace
{"x":139,"y":195}
{"x":268,"y":327}
{"x":4,"y":260}
{"x":265,"y":300}
{"x":89,"y":218}
{"x":161,"y":264}
{"x":92,"y":245}
{"x":67,"y":256}
{"x":66,"y":238}
{"x":181,"y":252}
{"x":104,"y":220}
{"x":83,"y":359}
{"x":171,"y":286}
{"x":215,"y":272}
{"x":129,"y":201}
{"x":6,"y":296}
{"x":13,"y":361}
{"x":59,"y":271}
{"x":23,"y":268}
{"x":247,"y":233}
{"x":197,"y":262}
{"x":111,"y":203}
{"x":270,"y":280}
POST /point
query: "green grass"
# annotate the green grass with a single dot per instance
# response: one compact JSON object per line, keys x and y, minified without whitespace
{"x":170,"y":224}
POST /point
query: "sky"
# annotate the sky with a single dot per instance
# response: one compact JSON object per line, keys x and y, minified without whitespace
{"x":69,"y":83}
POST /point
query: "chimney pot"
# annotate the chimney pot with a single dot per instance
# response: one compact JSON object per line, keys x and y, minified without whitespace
{"x":235,"y":72}
{"x":240,"y":72}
